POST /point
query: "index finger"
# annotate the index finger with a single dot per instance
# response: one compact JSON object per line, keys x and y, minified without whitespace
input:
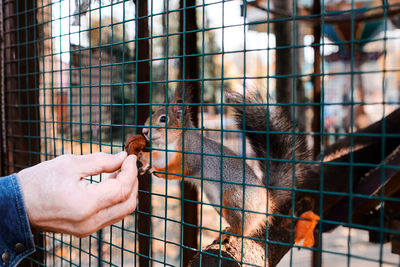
{"x":112,"y":191}
{"x":128,"y":172}
{"x":99,"y":162}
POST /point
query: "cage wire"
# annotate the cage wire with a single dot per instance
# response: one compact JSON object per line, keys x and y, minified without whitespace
{"x":81,"y":76}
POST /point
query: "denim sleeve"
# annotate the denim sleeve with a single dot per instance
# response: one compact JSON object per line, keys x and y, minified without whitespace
{"x":16,"y":239}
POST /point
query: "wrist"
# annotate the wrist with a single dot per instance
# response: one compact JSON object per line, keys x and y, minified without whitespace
{"x":26,"y":190}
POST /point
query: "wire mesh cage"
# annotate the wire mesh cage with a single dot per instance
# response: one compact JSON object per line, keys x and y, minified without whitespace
{"x":256,"y":113}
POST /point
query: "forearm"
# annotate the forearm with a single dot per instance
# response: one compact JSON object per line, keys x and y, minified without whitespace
{"x":16,"y":240}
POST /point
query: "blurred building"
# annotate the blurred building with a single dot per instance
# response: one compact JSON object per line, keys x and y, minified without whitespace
{"x":89,"y":96}
{"x":76,"y":98}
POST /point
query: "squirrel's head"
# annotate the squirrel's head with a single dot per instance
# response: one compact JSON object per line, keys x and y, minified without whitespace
{"x":166,"y":123}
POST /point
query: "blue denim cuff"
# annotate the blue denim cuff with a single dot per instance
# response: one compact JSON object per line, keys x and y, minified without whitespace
{"x":16,"y":239}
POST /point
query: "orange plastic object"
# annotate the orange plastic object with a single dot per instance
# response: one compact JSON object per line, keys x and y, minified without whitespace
{"x":135,"y":144}
{"x":305,"y":228}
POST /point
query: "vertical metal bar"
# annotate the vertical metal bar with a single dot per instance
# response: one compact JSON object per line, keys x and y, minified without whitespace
{"x":142,"y":112}
{"x":189,"y":69}
{"x":283,"y":62}
{"x":25,"y":151}
{"x":200,"y":223}
{"x":300,"y":94}
{"x":2,"y":92}
{"x":165,"y":45}
{"x":10,"y":71}
{"x":100,"y":234}
{"x":316,"y":123}
{"x":190,"y":56}
{"x":123,"y":115}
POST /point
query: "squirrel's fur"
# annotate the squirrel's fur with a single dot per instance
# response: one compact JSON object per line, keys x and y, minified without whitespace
{"x":273,"y":139}
{"x":220,"y":173}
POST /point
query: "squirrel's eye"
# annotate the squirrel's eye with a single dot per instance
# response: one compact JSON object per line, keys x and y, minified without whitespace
{"x":163,"y":118}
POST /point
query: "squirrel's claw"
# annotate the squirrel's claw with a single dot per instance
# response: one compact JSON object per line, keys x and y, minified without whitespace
{"x":305,"y":228}
{"x":144,"y":169}
{"x":226,"y":237}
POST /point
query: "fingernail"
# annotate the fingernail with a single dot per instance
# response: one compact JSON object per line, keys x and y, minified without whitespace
{"x":121,"y":154}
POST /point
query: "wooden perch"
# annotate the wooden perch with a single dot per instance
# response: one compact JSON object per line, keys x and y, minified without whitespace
{"x":230,"y":254}
{"x":253,"y":249}
{"x":365,"y":146}
{"x":371,"y":184}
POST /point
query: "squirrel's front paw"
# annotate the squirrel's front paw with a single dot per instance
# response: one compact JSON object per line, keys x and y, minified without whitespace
{"x":144,"y":169}
{"x":226,"y":237}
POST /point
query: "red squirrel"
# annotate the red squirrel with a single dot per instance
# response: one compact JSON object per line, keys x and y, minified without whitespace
{"x":227,"y":181}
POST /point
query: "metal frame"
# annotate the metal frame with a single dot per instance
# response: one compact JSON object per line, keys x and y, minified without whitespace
{"x":27,"y":138}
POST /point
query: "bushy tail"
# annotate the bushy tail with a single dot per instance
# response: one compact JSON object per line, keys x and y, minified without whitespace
{"x":270,"y":134}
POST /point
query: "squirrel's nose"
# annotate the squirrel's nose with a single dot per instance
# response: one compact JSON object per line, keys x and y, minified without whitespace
{"x":145,"y":131}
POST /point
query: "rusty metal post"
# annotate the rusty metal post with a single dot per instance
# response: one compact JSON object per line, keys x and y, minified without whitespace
{"x":2,"y":92}
{"x":283,"y":31}
{"x":20,"y":95}
{"x":316,"y":80}
{"x":143,"y":111}
{"x":189,"y":69}
{"x":316,"y":123}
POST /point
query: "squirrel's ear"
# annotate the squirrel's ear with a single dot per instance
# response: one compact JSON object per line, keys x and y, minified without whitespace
{"x":177,"y":95}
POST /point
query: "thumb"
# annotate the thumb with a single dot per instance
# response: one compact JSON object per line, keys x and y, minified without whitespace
{"x":94,"y":164}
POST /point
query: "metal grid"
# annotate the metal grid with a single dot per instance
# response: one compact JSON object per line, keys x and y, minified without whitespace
{"x":79,"y":77}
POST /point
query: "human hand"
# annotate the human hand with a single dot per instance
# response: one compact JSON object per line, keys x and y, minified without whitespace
{"x":58,"y":199}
